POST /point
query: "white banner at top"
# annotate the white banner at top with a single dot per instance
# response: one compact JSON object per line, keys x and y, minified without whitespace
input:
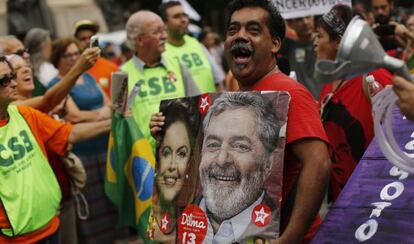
{"x":301,"y":8}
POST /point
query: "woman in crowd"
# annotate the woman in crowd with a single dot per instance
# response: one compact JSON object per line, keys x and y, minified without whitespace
{"x":88,"y":96}
{"x":176,"y":168}
{"x":39,"y":45}
{"x":54,"y":96}
{"x":85,"y":94}
{"x":344,"y":104}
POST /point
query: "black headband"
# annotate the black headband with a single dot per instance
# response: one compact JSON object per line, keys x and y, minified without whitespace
{"x":334,"y":22}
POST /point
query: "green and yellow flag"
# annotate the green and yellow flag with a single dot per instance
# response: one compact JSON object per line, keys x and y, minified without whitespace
{"x":129,"y":171}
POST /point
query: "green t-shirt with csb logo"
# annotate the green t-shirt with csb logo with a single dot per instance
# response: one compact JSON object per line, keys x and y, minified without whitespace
{"x":29,"y":190}
{"x":192,"y":55}
{"x":155,"y":84}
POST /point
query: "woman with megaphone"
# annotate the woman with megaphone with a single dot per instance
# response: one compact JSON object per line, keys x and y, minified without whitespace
{"x":345,"y":105}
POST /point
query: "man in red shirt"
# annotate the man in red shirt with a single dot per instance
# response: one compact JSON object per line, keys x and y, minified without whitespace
{"x":254,"y":35}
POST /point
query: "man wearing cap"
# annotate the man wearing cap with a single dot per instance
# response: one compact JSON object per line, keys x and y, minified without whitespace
{"x":188,"y":50}
{"x":151,"y":76}
{"x":83,"y":30}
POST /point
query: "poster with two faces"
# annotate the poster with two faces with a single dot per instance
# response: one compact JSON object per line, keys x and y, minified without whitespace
{"x":219,"y":168}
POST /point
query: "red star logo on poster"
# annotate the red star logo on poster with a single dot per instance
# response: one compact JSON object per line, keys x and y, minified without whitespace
{"x":165,"y":222}
{"x":204,"y":103}
{"x":261,"y":215}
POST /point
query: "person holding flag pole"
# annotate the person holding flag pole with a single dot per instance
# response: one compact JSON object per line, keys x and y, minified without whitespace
{"x":151,"y":78}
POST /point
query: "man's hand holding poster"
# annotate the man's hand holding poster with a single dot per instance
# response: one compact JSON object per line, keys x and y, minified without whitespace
{"x":219,"y":168}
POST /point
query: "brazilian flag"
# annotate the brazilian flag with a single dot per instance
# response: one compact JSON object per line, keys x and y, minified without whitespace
{"x":130,"y":173}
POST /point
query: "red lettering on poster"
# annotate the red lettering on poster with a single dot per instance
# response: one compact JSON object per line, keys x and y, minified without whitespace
{"x":192,"y":225}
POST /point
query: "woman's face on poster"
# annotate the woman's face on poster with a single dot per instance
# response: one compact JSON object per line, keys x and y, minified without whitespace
{"x":174,"y":154}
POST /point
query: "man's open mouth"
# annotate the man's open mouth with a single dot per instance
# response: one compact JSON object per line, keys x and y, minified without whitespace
{"x":241,"y":53}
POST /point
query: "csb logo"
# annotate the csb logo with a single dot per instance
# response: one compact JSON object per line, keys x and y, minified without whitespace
{"x":15,"y":149}
{"x":155,"y":86}
{"x":191,"y":60}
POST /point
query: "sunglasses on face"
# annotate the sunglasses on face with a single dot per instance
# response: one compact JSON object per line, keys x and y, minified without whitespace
{"x":21,"y":52}
{"x":7,"y":78}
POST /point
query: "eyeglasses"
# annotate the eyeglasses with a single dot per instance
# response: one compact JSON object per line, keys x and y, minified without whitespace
{"x":155,"y":32}
{"x":71,"y":55}
{"x":21,"y":52}
{"x":324,"y":103}
{"x":7,"y":78}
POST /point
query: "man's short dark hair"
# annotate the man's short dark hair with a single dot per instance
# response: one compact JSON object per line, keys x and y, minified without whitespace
{"x":163,"y":8}
{"x":275,"y":22}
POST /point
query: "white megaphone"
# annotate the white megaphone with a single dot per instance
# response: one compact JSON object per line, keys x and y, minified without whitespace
{"x":359,"y":53}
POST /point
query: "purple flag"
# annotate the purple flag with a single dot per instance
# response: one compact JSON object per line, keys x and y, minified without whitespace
{"x":377,"y":203}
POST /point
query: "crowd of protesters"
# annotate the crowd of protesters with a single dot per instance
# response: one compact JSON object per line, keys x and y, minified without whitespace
{"x":56,"y":93}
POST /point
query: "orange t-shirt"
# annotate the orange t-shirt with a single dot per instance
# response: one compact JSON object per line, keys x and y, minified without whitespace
{"x":53,"y":135}
{"x":102,"y":71}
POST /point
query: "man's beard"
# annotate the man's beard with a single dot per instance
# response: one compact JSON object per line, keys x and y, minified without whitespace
{"x":224,"y":202}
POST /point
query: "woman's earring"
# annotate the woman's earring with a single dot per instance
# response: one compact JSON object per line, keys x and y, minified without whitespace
{"x":186,"y":176}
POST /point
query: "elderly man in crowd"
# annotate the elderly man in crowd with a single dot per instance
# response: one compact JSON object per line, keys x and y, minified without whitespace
{"x":152,"y":76}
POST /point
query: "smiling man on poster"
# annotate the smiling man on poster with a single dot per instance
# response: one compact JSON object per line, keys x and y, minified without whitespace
{"x":235,"y":163}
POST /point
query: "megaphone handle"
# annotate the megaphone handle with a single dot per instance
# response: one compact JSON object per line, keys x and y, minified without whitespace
{"x":403,"y":71}
{"x":397,"y":66}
